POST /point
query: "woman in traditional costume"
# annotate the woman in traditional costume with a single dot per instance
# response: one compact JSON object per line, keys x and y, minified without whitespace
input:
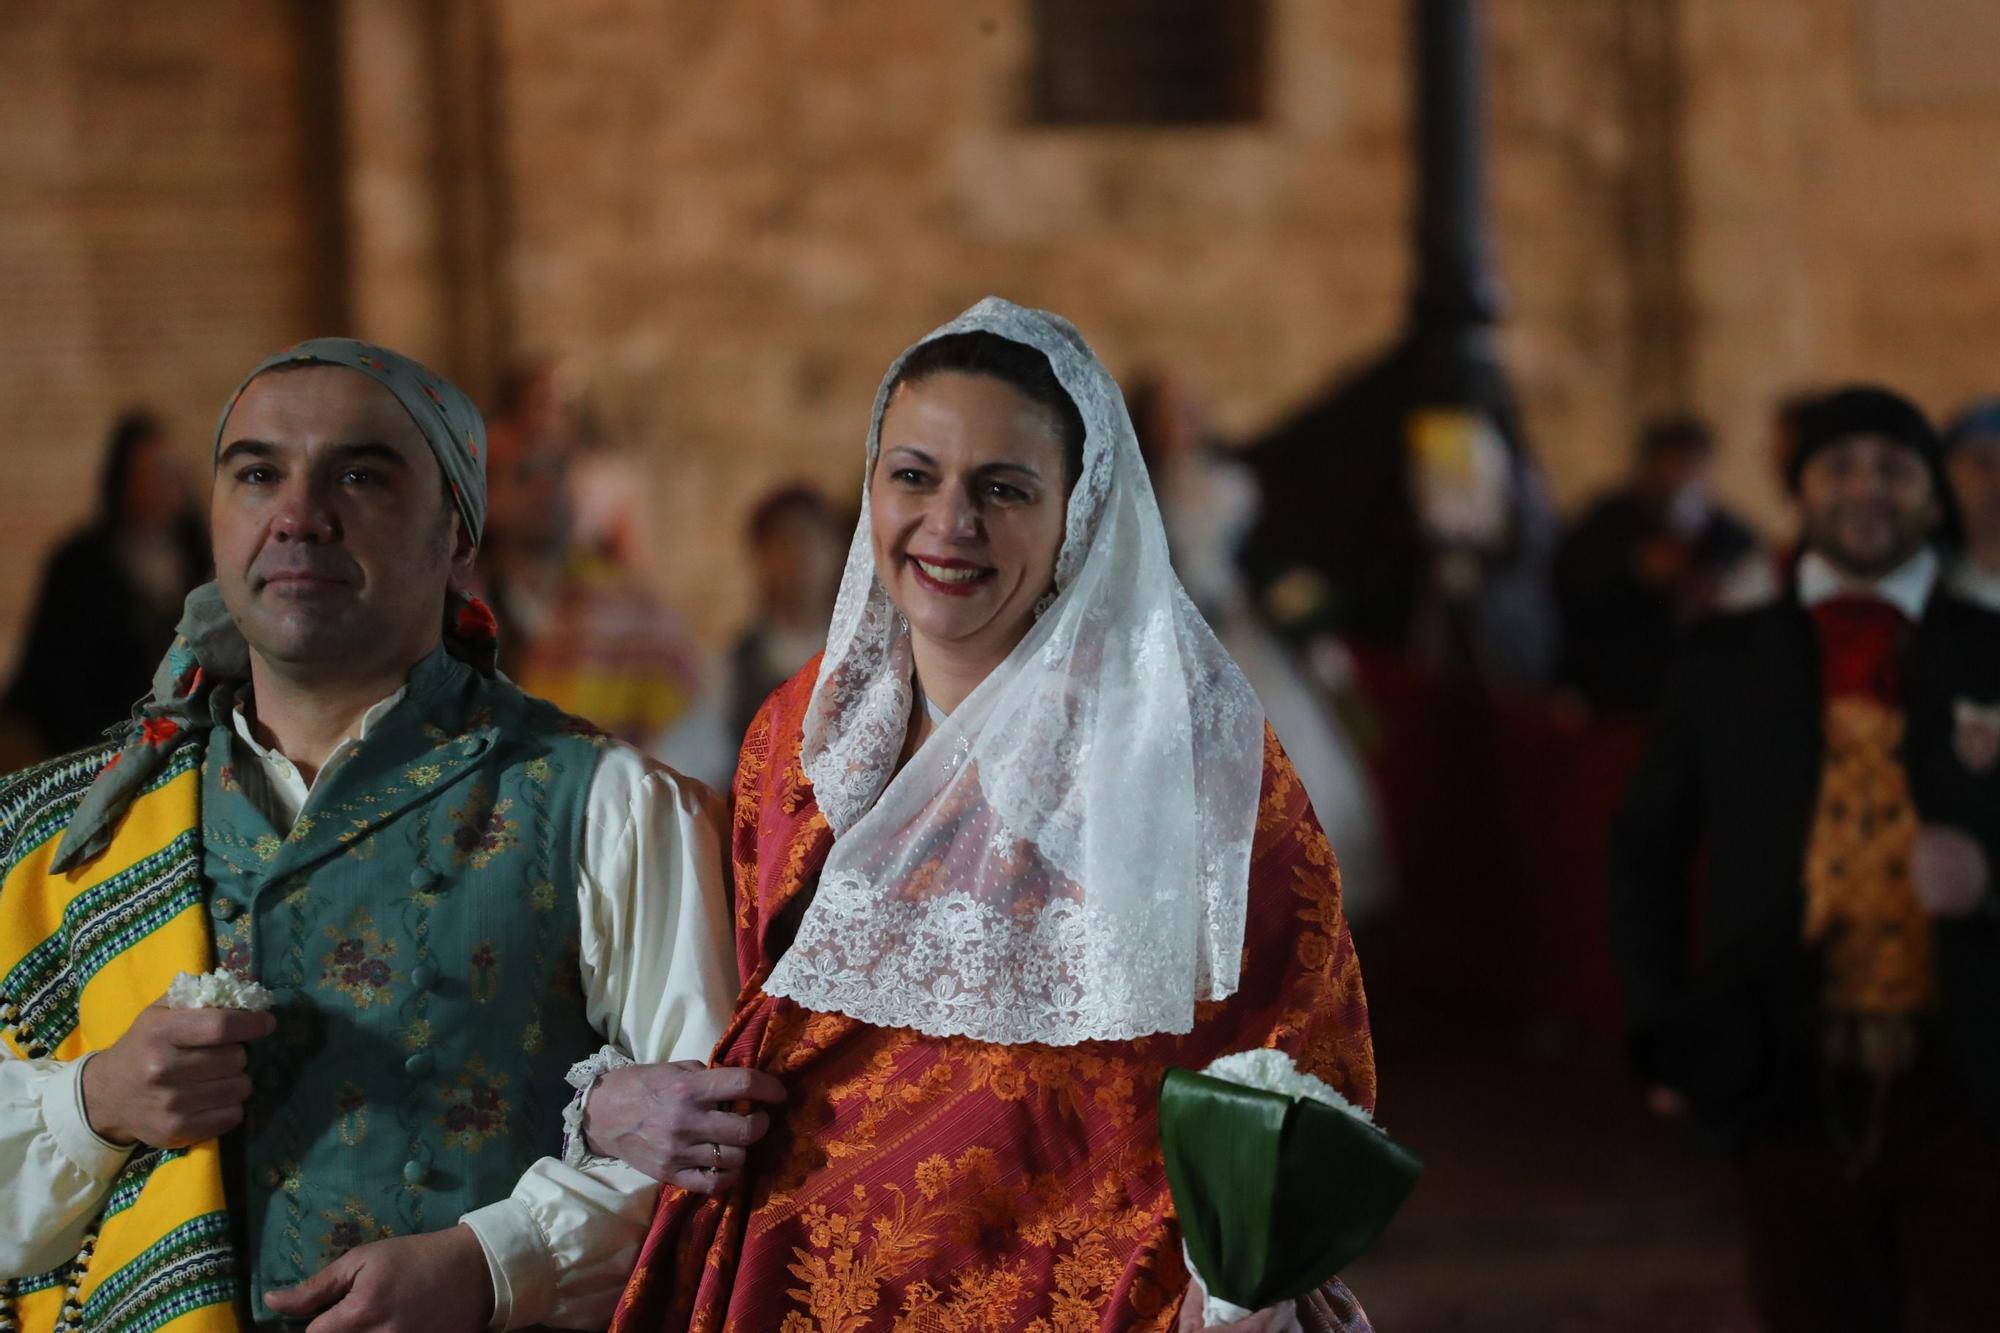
{"x":1017,"y":844}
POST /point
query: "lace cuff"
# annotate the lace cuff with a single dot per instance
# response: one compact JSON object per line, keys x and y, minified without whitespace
{"x":583,"y":1076}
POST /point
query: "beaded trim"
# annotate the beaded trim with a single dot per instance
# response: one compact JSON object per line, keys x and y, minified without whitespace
{"x":70,"y":1275}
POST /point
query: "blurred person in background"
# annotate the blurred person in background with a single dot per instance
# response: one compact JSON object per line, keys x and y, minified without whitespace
{"x":797,"y":545}
{"x":1209,"y":504}
{"x":584,"y":630}
{"x":1972,"y":462}
{"x":1765,"y":574}
{"x":1404,"y":508}
{"x":797,"y":549}
{"x":110,"y":594}
{"x":1642,"y":564}
{"x":1837,"y":752}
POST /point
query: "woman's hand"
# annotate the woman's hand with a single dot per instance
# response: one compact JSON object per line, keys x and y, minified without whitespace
{"x":669,"y":1120}
{"x":1278,"y":1319}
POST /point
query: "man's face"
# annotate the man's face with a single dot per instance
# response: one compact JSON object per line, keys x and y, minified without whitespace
{"x":1974,"y":469}
{"x":334,"y":539}
{"x":1867,"y":504}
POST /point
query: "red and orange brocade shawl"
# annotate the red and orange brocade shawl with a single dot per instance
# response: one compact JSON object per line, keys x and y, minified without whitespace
{"x":937,"y":1184}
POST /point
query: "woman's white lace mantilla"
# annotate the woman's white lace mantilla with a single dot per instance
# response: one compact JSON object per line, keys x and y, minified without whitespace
{"x":1067,"y":857}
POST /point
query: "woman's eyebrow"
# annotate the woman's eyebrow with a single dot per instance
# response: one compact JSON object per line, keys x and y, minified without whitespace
{"x":1026,"y":469}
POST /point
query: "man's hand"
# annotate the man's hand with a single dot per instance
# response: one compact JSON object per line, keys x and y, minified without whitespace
{"x":175,"y":1078}
{"x":1950,"y":871}
{"x":668,"y":1121}
{"x":434,"y":1283}
{"x":1278,"y":1319}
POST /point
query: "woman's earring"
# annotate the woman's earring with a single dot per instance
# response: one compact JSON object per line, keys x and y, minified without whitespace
{"x":1048,"y":599}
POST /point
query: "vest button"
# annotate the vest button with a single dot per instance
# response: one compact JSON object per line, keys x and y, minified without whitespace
{"x":420,"y":1064}
{"x":423,"y":878}
{"x":415,"y":1172}
{"x":423,"y":976}
{"x":222,"y":909}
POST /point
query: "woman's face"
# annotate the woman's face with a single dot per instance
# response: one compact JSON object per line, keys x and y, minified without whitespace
{"x":966,"y":510}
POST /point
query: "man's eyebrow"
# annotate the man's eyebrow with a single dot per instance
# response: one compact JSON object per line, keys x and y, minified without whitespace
{"x":370,"y":451}
{"x":359,"y":450}
{"x":245,"y":449}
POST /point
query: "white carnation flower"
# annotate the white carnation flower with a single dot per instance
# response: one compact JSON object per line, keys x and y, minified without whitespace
{"x":1267,"y":1071}
{"x":220,"y":989}
{"x":1273,"y":1071}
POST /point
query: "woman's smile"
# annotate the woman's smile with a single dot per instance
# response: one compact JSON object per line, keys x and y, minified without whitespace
{"x":949,"y":577}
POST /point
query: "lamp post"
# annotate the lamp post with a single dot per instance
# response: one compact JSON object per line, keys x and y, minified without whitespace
{"x":1405,"y":496}
{"x":1457,"y":295}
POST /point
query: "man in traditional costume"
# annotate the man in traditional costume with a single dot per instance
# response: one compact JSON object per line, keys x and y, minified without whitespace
{"x":1838,"y":755}
{"x":452,"y":890}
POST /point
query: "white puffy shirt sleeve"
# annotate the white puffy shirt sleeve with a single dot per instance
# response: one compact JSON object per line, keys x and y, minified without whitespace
{"x":54,"y":1170}
{"x":659,"y":981}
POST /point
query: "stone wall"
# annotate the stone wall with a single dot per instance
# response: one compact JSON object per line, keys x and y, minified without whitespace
{"x":737,"y":217}
{"x":158,"y":233}
{"x":734,"y":215}
{"x":1843,"y":204}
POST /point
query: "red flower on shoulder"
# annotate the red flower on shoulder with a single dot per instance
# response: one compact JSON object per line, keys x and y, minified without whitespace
{"x":160,"y":730}
{"x":475,"y":621}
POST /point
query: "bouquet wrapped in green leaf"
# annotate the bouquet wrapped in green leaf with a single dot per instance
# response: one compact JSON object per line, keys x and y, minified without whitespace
{"x":1279,"y":1181}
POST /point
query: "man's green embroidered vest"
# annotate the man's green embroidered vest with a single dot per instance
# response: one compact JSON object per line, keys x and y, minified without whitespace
{"x":418,"y":924}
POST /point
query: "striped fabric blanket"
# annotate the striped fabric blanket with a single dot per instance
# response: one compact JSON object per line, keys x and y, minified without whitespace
{"x":80,"y":955}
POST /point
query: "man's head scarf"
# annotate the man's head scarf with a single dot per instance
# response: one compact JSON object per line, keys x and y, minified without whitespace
{"x":209,"y":650}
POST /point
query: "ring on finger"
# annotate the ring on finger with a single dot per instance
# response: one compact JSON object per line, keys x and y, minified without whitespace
{"x":716,"y":1150}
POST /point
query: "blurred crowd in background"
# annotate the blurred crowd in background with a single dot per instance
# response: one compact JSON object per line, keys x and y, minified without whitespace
{"x":1367,"y":608}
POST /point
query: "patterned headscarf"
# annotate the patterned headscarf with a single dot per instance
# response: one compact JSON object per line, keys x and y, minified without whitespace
{"x":208,"y":649}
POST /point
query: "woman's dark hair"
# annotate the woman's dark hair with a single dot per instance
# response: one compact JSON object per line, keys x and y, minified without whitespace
{"x":132,"y":430}
{"x":1017,"y":365}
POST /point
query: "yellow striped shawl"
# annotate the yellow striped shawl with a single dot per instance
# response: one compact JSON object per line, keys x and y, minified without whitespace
{"x":80,"y":955}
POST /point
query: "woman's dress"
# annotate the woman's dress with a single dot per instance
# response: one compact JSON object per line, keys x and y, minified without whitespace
{"x":923,"y":1183}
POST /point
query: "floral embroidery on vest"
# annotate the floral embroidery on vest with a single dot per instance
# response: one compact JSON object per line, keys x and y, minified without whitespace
{"x":358,"y":964}
{"x":475,"y":1110}
{"x":351,"y":1104}
{"x":481,"y":829}
{"x":485,"y":959}
{"x":353,"y":1225}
